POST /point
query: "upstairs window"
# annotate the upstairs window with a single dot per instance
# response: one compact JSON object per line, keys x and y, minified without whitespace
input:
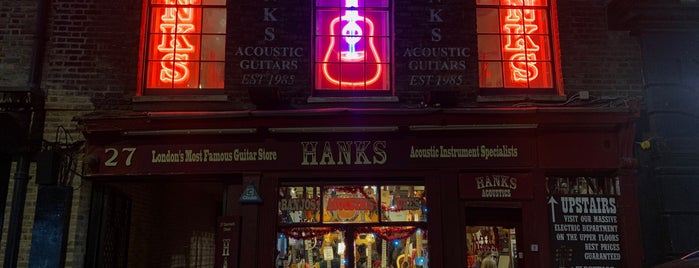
{"x":352,"y":46}
{"x":514,"y":44}
{"x":185,"y":45}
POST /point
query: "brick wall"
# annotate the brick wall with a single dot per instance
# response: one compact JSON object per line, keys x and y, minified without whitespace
{"x":16,"y":37}
{"x":91,"y":61}
{"x":603,"y":62}
{"x":92,"y":53}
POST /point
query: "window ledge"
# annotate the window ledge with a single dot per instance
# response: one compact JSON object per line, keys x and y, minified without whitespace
{"x":180,"y":98}
{"x":181,"y":103}
{"x":512,"y":98}
{"x":351,"y":99}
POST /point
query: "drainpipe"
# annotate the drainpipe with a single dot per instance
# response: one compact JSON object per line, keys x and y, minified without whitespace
{"x":34,"y":135}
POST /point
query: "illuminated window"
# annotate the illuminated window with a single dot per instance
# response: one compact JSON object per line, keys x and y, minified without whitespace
{"x":352,"y":46}
{"x":514,"y":44}
{"x":185,"y":45}
{"x":377,"y":225}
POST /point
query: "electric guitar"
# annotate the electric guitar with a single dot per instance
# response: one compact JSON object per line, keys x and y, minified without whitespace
{"x":367,"y":240}
{"x":342,"y":253}
{"x":310,"y":244}
{"x":351,"y":34}
{"x":384,"y":257}
{"x":292,"y":260}
{"x":418,"y":246}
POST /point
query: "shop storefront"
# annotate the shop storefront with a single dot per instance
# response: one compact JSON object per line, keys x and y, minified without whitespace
{"x":365,"y":188}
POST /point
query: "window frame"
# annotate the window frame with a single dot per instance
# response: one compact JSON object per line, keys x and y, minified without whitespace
{"x":322,"y":95}
{"x":378,"y":184}
{"x":557,"y":87}
{"x":149,"y":36}
{"x":411,"y":228}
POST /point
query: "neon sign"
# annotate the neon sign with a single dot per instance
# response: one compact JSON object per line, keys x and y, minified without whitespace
{"x":351,"y":59}
{"x":518,"y":26}
{"x":176,"y":22}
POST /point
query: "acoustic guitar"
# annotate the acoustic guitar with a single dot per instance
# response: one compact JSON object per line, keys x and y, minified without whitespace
{"x":404,"y":260}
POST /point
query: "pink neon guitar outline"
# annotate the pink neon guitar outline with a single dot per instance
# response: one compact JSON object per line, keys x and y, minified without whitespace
{"x":352,"y":34}
{"x":176,"y":21}
{"x":523,"y":23}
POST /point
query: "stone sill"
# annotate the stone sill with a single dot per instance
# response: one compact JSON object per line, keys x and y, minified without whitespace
{"x":181,"y":103}
{"x":522,"y":98}
{"x":352,"y":99}
{"x":181,"y":98}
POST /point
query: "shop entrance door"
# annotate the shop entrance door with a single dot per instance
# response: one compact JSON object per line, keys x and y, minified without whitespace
{"x":491,"y":238}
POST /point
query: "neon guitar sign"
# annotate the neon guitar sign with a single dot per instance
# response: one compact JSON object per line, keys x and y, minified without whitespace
{"x":176,"y":23}
{"x":518,"y":26}
{"x":358,"y":56}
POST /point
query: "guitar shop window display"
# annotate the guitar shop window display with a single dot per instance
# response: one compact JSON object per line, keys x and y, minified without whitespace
{"x":383,"y":230}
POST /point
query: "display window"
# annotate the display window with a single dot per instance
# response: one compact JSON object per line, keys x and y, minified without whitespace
{"x":352,"y":226}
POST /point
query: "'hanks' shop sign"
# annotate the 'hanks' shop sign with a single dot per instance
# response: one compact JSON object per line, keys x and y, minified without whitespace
{"x":305,"y":154}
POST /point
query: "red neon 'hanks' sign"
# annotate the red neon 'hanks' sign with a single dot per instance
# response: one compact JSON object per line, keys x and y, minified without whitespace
{"x":175,"y":24}
{"x":518,"y":25}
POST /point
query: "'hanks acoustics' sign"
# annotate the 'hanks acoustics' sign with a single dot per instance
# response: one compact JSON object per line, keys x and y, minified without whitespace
{"x":496,"y":186}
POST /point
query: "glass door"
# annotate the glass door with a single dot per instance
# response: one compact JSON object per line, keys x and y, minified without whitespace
{"x":491,"y":237}
{"x":496,"y":245}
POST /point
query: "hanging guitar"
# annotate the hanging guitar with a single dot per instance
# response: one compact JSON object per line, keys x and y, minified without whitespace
{"x":404,"y":260}
{"x":310,"y":258}
{"x":351,"y":34}
{"x":292,"y":258}
{"x":383,"y":263}
{"x":419,"y":260}
{"x":366,"y":240}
